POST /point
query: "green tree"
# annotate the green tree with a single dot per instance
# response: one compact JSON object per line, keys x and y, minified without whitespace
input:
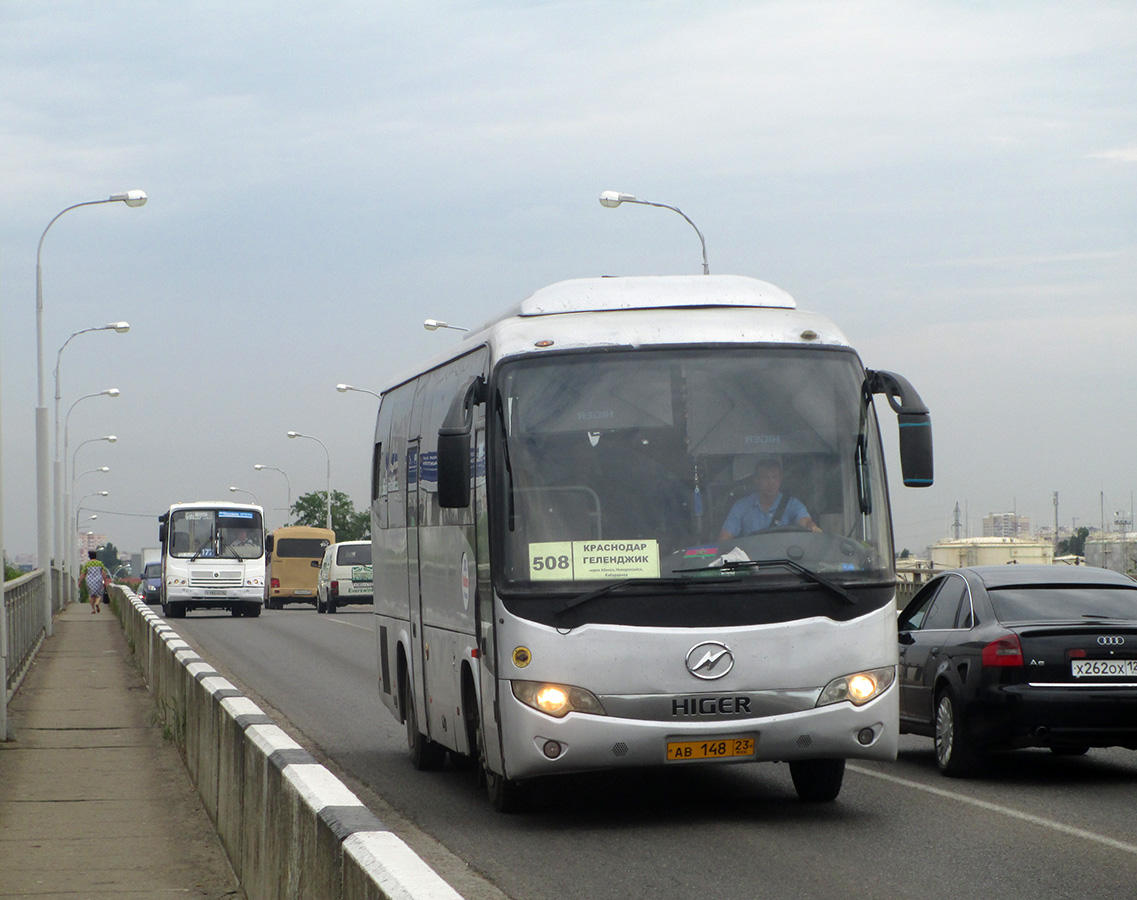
{"x":1074,"y":545}
{"x":311,"y":509}
{"x":108,"y":556}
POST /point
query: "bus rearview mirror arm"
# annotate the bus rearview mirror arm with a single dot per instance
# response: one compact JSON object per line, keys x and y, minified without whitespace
{"x":454,"y":445}
{"x":915,"y":423}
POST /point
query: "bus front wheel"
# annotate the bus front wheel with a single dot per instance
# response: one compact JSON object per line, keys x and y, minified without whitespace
{"x":817,"y":780}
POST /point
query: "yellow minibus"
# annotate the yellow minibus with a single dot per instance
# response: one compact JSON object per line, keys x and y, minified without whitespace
{"x":294,"y":555}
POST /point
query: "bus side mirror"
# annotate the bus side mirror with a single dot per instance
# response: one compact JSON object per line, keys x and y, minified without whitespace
{"x":454,"y":445}
{"x":162,"y":534}
{"x":269,"y":541}
{"x":915,"y":425}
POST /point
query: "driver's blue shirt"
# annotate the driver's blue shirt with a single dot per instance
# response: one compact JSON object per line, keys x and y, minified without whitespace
{"x":747,"y":515}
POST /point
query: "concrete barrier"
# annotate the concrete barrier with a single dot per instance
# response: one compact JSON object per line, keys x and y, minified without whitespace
{"x":290,"y":827}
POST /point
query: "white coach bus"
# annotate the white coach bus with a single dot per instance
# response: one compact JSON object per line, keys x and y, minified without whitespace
{"x":213,"y":557}
{"x":569,"y":571}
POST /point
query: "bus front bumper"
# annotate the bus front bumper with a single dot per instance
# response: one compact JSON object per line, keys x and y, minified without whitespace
{"x":536,"y":744}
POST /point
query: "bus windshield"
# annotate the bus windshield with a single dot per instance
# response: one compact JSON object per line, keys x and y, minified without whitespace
{"x":710,"y":463}
{"x":216,"y":533}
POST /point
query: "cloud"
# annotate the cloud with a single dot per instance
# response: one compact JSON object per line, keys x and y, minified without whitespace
{"x":1124,"y":154}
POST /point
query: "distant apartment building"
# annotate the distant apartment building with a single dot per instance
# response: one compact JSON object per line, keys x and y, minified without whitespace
{"x":1005,"y":525}
{"x":89,"y":542}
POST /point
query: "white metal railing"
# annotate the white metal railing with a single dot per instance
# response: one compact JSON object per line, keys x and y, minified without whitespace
{"x":25,"y":624}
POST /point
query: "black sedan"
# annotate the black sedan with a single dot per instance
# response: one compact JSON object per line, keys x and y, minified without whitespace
{"x":1004,"y":657}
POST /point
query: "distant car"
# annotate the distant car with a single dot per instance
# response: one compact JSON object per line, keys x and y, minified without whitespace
{"x":149,"y":586}
{"x":1005,"y":657}
{"x":344,"y":576}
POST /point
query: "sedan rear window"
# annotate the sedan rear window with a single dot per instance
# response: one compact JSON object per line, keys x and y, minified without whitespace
{"x":1063,"y":602}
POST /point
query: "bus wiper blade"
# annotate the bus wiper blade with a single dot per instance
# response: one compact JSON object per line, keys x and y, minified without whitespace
{"x":734,"y":565}
{"x":612,"y":586}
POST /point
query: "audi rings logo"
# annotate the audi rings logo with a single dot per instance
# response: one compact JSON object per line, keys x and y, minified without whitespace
{"x":710,"y":660}
{"x":1111,"y":640}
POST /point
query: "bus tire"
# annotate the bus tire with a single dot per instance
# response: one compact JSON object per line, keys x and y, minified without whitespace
{"x":425,"y":754}
{"x":504,"y":794}
{"x":174,"y":610}
{"x":252,"y":610}
{"x":817,"y":780}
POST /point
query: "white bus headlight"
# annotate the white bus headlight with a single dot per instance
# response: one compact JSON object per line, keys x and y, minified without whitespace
{"x":858,"y":688}
{"x":557,"y":700}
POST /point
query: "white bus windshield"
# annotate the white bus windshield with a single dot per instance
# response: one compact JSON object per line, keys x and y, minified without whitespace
{"x":196,"y":533}
{"x":647,"y":465}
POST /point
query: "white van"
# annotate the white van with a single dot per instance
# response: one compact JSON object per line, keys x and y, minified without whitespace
{"x":345,"y":576}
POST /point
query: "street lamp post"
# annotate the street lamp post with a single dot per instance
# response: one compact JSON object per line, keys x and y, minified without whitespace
{"x":59,"y":477}
{"x":297,"y":434}
{"x":43,"y":477}
{"x":435,"y":324}
{"x":260,"y":467}
{"x":110,"y":439}
{"x":344,"y":388}
{"x":612,"y":199}
{"x":234,"y":490}
{"x":61,"y":471}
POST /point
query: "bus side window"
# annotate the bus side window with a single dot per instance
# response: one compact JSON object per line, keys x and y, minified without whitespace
{"x":378,"y":485}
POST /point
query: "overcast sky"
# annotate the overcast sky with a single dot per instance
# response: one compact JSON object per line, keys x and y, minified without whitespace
{"x":953,"y":183}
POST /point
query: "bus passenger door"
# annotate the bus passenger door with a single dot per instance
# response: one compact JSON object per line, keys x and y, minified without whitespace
{"x":484,"y":612}
{"x":414,"y":584}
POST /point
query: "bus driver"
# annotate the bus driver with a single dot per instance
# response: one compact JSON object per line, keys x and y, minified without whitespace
{"x":768,"y":508}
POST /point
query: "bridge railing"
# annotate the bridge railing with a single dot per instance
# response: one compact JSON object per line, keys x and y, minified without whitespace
{"x":25,"y":619}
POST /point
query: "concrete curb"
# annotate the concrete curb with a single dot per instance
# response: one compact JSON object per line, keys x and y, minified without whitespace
{"x":291,"y":829}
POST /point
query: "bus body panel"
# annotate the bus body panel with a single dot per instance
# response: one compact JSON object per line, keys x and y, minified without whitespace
{"x":650,"y":695}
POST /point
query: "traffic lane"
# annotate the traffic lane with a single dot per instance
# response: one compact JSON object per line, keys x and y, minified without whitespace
{"x":317,"y":671}
{"x":741,"y":828}
{"x":666,"y":832}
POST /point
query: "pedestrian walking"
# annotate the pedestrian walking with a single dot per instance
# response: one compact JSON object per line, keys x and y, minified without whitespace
{"x":93,"y":579}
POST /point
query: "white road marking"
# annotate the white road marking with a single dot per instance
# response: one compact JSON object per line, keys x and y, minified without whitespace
{"x":367,"y":628}
{"x":1002,"y":810}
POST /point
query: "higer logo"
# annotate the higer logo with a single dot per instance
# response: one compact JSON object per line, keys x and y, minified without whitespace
{"x":710,"y":660}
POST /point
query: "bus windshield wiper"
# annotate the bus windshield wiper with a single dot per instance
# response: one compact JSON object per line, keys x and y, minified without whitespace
{"x":735,"y":565}
{"x":612,"y":586}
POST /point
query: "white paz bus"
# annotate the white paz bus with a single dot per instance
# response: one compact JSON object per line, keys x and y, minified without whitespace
{"x":213,"y":557}
{"x":556,"y":588}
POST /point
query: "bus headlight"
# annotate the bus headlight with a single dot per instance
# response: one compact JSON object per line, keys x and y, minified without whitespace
{"x":557,"y":700}
{"x":858,"y":688}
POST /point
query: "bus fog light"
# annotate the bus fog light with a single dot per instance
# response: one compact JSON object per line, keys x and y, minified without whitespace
{"x":553,"y":749}
{"x":557,"y":700}
{"x":858,"y":688}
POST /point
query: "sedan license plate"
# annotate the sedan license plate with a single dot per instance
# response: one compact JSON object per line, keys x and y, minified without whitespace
{"x":1104,"y":668}
{"x":719,"y":748}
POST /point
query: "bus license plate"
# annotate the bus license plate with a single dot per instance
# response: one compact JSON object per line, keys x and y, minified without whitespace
{"x":1104,"y":668}
{"x":216,"y":592}
{"x":721,"y":748}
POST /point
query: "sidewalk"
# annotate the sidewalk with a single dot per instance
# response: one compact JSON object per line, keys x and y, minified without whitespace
{"x":94,"y":801}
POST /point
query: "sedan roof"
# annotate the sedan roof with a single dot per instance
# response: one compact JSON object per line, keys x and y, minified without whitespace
{"x":1008,"y":576}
